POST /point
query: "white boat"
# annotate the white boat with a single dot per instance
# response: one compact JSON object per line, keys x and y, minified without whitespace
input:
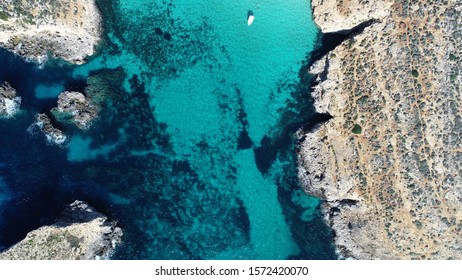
{"x":250,"y":18}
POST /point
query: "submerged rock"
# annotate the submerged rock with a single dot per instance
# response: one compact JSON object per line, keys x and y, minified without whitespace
{"x":52,"y":134}
{"x":81,"y":233}
{"x":9,"y":101}
{"x":67,"y":29}
{"x":76,"y":106}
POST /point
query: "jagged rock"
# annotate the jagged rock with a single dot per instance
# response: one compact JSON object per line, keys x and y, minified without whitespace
{"x":78,"y":106}
{"x":81,"y":233}
{"x":52,"y":134}
{"x":9,"y":101}
{"x":69,"y":29}
{"x":393,"y":144}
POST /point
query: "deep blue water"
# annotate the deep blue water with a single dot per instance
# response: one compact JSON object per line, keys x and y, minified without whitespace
{"x":193,"y":152}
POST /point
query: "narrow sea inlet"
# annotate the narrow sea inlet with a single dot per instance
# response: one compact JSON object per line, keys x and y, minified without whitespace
{"x":193,"y":152}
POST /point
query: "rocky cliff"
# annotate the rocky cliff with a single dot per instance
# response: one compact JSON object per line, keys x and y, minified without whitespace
{"x":81,"y":233}
{"x":69,"y":29}
{"x":389,"y":162}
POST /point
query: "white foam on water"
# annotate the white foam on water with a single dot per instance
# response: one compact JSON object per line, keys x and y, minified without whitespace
{"x":12,"y":106}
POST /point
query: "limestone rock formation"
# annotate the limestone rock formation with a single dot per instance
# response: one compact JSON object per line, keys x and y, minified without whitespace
{"x":69,"y":29}
{"x":81,"y":233}
{"x":9,"y":101}
{"x":388,"y":164}
{"x":80,"y":108}
{"x":52,"y":134}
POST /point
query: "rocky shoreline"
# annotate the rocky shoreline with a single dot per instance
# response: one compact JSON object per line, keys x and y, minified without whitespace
{"x":66,"y":29}
{"x":80,"y":234}
{"x":387,"y":164}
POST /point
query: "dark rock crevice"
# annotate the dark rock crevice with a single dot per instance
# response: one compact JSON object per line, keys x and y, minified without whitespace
{"x":316,"y":119}
{"x":347,"y":202}
{"x":329,"y":41}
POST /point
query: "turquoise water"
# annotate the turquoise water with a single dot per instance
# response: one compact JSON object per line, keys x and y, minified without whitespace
{"x":210,"y":79}
{"x":193,"y":151}
{"x":43,"y":91}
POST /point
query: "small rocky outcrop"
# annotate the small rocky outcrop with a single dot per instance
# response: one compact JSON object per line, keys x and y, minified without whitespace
{"x":9,"y":101}
{"x":52,"y":134}
{"x":81,"y":233}
{"x":77,"y":107}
